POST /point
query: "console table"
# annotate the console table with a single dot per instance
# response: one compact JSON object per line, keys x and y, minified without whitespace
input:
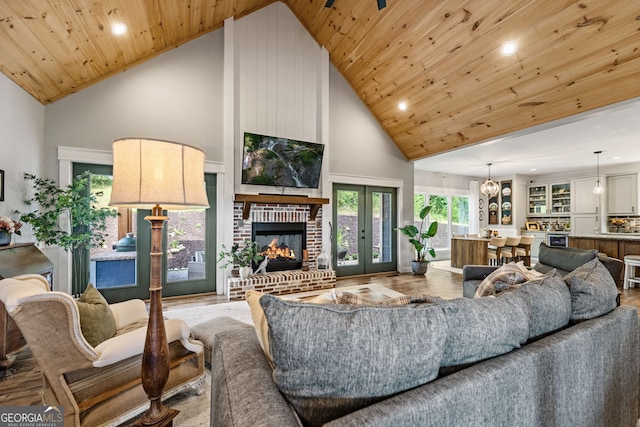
{"x":17,"y":259}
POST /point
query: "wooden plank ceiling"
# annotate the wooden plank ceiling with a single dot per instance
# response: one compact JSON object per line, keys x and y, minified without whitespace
{"x":440,"y":57}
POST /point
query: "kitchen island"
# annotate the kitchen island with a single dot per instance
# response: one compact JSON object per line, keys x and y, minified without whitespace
{"x":615,"y":245}
{"x":468,"y":251}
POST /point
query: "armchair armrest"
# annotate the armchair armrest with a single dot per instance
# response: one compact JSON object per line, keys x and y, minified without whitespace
{"x":128,"y":312}
{"x":477,"y":272}
{"x":123,"y":346}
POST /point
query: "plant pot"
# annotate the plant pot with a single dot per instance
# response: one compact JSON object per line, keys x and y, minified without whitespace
{"x":419,"y":267}
{"x":5,"y":238}
{"x":245,"y":272}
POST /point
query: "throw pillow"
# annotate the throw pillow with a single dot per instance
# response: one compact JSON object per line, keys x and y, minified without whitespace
{"x":330,"y":360}
{"x":549,"y":301}
{"x":503,"y":277}
{"x":480,"y":328}
{"x":96,"y":318}
{"x":259,"y":321}
{"x":593,"y":290}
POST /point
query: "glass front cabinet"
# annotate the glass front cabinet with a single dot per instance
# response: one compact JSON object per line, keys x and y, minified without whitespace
{"x":549,"y":199}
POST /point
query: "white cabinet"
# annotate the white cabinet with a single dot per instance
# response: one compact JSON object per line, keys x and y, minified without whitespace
{"x":549,"y":199}
{"x":582,"y":198}
{"x":585,"y":225}
{"x":622,"y":194}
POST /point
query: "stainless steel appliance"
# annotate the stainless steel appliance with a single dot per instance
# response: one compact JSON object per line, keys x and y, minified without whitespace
{"x":558,"y":239}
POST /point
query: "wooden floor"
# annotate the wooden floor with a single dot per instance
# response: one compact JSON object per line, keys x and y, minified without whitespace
{"x":22,"y":384}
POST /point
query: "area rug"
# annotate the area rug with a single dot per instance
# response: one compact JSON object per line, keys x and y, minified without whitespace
{"x":240,"y":309}
{"x":446,"y":266}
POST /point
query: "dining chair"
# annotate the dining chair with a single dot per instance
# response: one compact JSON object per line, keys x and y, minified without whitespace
{"x":523,"y":251}
{"x":494,"y":251}
{"x":508,"y":253}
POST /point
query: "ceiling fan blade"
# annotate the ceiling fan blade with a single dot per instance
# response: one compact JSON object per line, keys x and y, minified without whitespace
{"x":329,"y":3}
{"x":381,"y":4}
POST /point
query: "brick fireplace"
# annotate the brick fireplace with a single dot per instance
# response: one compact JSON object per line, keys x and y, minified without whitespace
{"x":306,"y":215}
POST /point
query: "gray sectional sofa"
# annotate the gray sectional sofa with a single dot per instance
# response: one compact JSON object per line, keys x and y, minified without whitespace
{"x":564,"y":260}
{"x":518,"y":360}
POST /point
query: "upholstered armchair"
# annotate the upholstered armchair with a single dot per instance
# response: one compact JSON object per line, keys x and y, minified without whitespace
{"x":96,"y":384}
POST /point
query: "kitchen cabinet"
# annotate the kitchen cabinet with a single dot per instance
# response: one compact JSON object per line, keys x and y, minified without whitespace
{"x":585,"y":224}
{"x":582,"y":198}
{"x":537,"y":200}
{"x":560,"y":202}
{"x":549,"y":199}
{"x":622,"y":194}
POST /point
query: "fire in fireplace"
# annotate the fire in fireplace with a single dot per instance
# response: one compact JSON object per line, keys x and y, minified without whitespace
{"x":283,"y":243}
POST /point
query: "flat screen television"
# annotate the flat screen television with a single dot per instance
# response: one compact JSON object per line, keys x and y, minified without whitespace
{"x":281,"y":162}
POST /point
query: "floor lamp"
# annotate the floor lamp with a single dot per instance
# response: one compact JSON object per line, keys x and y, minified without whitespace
{"x":148,"y":173}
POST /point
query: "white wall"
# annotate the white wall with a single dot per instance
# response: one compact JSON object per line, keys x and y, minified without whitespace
{"x":21,"y":145}
{"x":175,"y":96}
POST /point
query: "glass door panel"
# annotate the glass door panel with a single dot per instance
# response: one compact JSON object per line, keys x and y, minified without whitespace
{"x":349,"y":203}
{"x":364,"y":241}
{"x":120,"y":269}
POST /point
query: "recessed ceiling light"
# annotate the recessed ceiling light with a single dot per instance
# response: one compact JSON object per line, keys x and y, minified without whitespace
{"x":402,"y":105}
{"x":616,"y":158}
{"x":509,"y":48}
{"x":533,"y":169}
{"x":118,"y":29}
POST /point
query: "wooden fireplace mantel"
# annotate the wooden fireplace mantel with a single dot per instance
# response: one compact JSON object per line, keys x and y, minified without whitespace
{"x":314,"y":203}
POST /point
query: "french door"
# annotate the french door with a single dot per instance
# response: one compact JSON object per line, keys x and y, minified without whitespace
{"x":120,"y":269}
{"x":363,"y":239}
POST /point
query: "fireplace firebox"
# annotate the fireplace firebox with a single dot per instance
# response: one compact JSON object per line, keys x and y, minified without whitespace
{"x":282,"y":242}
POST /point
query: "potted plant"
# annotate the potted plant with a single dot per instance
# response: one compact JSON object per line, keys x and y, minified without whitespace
{"x":419,"y":238}
{"x":242,"y":257}
{"x":88,"y":224}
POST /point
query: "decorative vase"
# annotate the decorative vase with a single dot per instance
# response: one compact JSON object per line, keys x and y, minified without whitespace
{"x":419,"y":267}
{"x":323,"y":261}
{"x":5,"y":238}
{"x":245,"y":272}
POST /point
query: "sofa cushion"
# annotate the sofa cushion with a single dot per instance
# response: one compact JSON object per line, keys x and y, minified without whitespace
{"x":480,"y":328}
{"x":593,"y":290}
{"x":96,"y":319}
{"x":330,"y":360}
{"x":549,"y":302}
{"x":564,"y":260}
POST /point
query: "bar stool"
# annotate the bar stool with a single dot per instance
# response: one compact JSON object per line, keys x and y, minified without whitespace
{"x":523,"y":251}
{"x":630,"y":264}
{"x":509,"y":251}
{"x":495,"y":247}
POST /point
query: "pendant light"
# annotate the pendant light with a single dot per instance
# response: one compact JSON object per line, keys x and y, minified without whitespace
{"x":598,"y":189}
{"x":489,"y":188}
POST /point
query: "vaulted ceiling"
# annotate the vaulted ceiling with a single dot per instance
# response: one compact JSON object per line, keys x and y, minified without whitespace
{"x":442,"y":58}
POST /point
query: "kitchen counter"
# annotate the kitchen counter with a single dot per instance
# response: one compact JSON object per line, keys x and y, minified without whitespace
{"x":616,"y":245}
{"x":610,"y":236}
{"x":469,"y":251}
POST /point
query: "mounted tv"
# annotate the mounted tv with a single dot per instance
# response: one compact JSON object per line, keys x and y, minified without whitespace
{"x":281,"y":162}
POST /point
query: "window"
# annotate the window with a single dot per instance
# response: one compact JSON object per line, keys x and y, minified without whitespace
{"x":451,"y":213}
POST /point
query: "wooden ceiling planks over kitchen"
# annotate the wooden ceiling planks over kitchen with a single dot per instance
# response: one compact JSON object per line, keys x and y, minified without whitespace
{"x":440,"y":57}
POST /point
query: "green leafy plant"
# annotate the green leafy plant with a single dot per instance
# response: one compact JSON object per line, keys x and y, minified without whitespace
{"x":240,"y":256}
{"x":419,"y":237}
{"x":76,"y":203}
{"x":88,"y":222}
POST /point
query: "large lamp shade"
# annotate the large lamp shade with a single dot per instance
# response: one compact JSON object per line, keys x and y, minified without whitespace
{"x":150,"y":172}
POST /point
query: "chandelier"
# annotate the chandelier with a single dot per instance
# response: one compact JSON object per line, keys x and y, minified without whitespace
{"x":598,"y":189}
{"x":489,"y":188}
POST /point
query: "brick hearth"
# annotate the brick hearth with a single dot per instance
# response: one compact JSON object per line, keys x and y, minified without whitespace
{"x":281,"y":282}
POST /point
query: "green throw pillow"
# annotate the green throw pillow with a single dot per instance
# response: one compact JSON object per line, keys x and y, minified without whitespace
{"x":96,"y":318}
